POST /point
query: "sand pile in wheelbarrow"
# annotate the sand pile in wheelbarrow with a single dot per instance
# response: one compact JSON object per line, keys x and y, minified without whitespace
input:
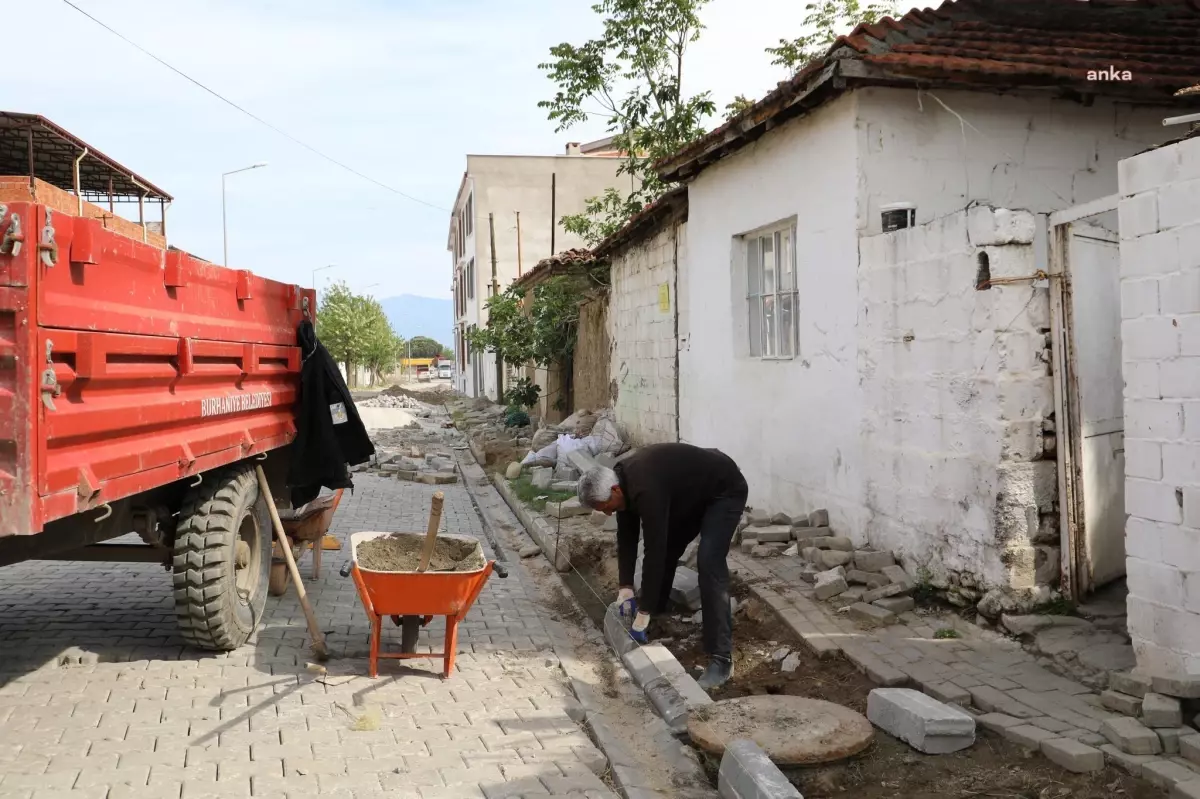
{"x":402,"y":553}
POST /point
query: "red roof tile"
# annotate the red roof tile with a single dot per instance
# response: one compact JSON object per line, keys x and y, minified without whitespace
{"x":986,"y":44}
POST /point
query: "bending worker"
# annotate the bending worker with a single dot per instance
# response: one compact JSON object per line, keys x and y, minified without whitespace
{"x":675,"y":492}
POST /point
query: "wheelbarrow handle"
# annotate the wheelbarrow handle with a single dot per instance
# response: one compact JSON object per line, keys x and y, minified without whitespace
{"x":345,"y":570}
{"x":500,"y":569}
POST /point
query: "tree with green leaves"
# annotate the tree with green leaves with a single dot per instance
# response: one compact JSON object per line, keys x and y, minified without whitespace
{"x":631,"y":76}
{"x":828,"y":19}
{"x":424,"y":347}
{"x":355,"y":330}
{"x":737,"y":106}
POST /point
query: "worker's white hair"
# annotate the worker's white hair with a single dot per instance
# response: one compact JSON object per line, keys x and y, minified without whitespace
{"x":596,"y":485}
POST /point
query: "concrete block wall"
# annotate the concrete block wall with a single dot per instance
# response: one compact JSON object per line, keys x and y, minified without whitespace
{"x":1160,"y":337}
{"x":16,"y":189}
{"x":957,"y":391}
{"x":644,"y":346}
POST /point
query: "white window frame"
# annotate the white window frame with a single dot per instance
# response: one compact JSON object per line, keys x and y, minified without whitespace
{"x":771,"y":289}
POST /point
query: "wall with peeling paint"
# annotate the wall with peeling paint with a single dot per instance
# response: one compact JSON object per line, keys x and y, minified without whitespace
{"x":1160,"y":347}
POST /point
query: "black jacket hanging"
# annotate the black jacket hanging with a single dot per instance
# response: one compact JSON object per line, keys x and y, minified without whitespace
{"x":329,"y":433}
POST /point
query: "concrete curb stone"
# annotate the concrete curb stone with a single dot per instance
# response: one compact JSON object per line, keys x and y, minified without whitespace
{"x":922,"y":722}
{"x":1073,"y":755}
{"x":1131,"y":764}
{"x":538,"y":528}
{"x":747,"y":773}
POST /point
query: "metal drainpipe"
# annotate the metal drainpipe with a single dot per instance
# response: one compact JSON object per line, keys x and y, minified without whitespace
{"x":78,"y":190}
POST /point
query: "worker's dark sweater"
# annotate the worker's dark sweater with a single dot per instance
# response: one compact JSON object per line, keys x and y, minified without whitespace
{"x":667,"y":489}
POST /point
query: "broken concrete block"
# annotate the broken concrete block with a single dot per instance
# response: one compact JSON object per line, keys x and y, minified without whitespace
{"x":1133,"y":683}
{"x":1161,"y":711}
{"x":565,"y":485}
{"x":818,"y":518}
{"x":883,"y":592}
{"x":832,"y":558}
{"x":927,"y":725}
{"x":803,"y":532}
{"x":773,"y":535}
{"x":566,"y":509}
{"x":1131,"y":736}
{"x":542,"y":477}
{"x":897,"y":575}
{"x":791,"y":662}
{"x":871,"y":615}
{"x":1121,"y":703}
{"x":869,"y":579}
{"x":437,"y":478}
{"x":850,"y":596}
{"x":896,"y":604}
{"x":833,"y":542}
{"x":829,"y":584}
{"x":781,"y":518}
{"x":868,"y":561}
{"x":758,"y":517}
{"x":811,"y":554}
{"x":1073,"y":755}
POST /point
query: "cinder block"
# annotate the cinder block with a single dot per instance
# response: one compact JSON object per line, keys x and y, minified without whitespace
{"x":1139,"y":297}
{"x":996,"y":226}
{"x":1073,"y":755}
{"x":747,"y":773}
{"x":922,"y":722}
{"x":1161,"y":711}
{"x":1149,"y":338}
{"x":1176,"y":204}
{"x":1156,"y":254}
{"x":1131,"y":736}
{"x":1152,"y":169}
{"x":1138,"y":215}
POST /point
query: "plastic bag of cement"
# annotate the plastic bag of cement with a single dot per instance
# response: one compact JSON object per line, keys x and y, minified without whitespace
{"x":547,"y":454}
{"x":566,"y":445}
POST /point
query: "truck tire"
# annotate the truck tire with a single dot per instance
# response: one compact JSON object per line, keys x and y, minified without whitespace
{"x":222,"y":560}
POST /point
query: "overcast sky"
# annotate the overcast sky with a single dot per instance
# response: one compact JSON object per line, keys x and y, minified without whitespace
{"x":399,"y":90}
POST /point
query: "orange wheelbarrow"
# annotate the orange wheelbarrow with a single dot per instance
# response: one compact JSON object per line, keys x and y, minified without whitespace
{"x":412,"y":599}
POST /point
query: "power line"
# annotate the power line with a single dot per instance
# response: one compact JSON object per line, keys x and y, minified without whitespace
{"x":250,"y":114}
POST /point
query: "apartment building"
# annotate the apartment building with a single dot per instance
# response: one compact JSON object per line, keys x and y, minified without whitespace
{"x":519,"y":201}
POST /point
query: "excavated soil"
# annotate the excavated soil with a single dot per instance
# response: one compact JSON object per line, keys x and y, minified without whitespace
{"x":402,"y":553}
{"x":992,"y":768}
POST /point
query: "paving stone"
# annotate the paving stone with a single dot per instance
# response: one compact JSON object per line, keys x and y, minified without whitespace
{"x":832,"y":558}
{"x":869,"y":561}
{"x":927,"y":725}
{"x":1189,"y":746}
{"x":1161,"y":711}
{"x":773,"y":534}
{"x":819,"y":518}
{"x":1029,"y":736}
{"x":1122,"y":703}
{"x":998,"y":722}
{"x":1170,"y":737}
{"x":747,"y":773}
{"x":1133,"y":683}
{"x":1130,"y":735}
{"x":897,"y":575}
{"x":1181,"y":687}
{"x":871,"y":615}
{"x":829,"y":584}
{"x":1131,"y":764}
{"x":1186,"y":790}
{"x":1165,"y":774}
{"x":869,"y":579}
{"x":1073,"y":755}
{"x":1053,"y":725}
{"x":896,"y":604}
{"x":850,"y":596}
{"x":885,"y":592}
{"x":804,"y":532}
{"x":991,"y":700}
{"x":948,"y":692}
{"x":838,"y":543}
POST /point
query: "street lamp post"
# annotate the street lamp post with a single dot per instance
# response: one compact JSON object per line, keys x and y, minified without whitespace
{"x":224,"y":229}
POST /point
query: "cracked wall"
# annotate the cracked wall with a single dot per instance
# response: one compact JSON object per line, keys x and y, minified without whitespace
{"x":1160,"y":347}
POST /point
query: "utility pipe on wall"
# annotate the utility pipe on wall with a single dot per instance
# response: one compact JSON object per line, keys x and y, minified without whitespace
{"x":78,"y":190}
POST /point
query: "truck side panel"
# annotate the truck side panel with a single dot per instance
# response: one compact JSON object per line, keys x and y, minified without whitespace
{"x":163,"y":367}
{"x":18,"y":499}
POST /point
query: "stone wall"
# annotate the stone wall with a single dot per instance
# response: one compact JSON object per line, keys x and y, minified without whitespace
{"x":1160,"y":338}
{"x":642,"y":324}
{"x":957,"y":393}
{"x":590,"y":380}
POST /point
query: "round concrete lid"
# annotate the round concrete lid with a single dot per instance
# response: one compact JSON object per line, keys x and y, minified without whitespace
{"x":791,"y":730}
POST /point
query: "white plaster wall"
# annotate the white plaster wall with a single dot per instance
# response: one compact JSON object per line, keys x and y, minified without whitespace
{"x":1160,"y":339}
{"x":792,"y":426}
{"x":1032,"y":153}
{"x":956,"y":389}
{"x":643,"y":336}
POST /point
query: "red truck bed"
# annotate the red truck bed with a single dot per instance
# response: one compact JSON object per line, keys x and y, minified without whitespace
{"x":125,"y":367}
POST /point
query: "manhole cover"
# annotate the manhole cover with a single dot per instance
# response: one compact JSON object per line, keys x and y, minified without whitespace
{"x":792,"y":730}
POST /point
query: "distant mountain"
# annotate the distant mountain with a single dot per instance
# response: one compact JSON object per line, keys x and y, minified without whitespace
{"x":421,"y":316}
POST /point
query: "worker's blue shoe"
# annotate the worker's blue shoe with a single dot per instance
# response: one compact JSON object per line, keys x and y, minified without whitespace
{"x":718,"y":673}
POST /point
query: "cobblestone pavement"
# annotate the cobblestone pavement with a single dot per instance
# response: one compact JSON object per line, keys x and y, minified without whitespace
{"x":985,"y":670}
{"x":98,"y":697}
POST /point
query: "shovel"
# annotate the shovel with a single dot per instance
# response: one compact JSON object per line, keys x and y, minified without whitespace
{"x":411,"y":625}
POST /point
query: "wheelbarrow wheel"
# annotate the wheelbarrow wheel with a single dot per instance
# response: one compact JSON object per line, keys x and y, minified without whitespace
{"x":221,"y":560}
{"x":410,"y":633}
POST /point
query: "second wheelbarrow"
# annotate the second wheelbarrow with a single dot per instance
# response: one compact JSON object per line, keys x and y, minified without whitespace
{"x":414,"y":598}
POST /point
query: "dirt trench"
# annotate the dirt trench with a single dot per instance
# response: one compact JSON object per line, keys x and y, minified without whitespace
{"x":993,"y":767}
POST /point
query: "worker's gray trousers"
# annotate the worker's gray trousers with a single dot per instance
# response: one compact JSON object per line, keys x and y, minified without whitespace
{"x":712,"y":562}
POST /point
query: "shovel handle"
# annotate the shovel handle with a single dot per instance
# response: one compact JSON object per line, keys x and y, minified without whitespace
{"x":435,"y":520}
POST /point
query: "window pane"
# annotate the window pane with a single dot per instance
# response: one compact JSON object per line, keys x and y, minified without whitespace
{"x":787,"y":324}
{"x":753,"y":269}
{"x":787,"y":262}
{"x":770,"y":323}
{"x":755,"y":304}
{"x":768,"y":263}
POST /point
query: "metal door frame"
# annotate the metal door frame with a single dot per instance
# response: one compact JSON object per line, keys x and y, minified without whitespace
{"x":1076,"y":577}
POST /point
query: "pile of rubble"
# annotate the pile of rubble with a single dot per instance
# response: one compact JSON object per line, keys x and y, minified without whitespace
{"x":867,"y":584}
{"x":1150,"y":734}
{"x":413,"y":453}
{"x":398,"y":401}
{"x":490,"y":440}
